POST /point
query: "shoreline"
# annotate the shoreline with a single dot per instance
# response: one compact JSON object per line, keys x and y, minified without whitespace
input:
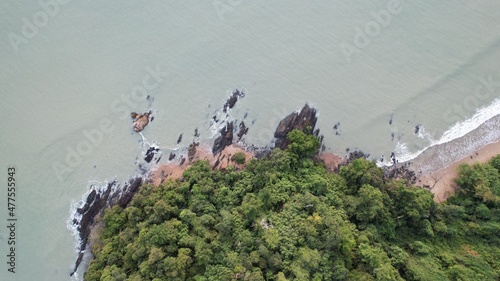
{"x":442,"y":182}
{"x":87,"y":216}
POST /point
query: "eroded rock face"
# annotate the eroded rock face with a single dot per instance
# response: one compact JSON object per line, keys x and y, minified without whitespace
{"x":225,"y":138}
{"x":304,"y":120}
{"x":96,"y":203}
{"x":192,"y":151}
{"x":140,"y":120}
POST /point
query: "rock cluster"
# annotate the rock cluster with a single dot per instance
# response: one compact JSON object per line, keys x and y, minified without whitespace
{"x":224,"y":139}
{"x":231,"y":101}
{"x":96,"y":203}
{"x":304,"y":120}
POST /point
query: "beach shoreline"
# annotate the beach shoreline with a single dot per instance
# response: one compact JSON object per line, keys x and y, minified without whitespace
{"x":442,"y":182}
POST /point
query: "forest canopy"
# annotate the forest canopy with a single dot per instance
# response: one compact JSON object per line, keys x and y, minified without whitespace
{"x":284,"y":217}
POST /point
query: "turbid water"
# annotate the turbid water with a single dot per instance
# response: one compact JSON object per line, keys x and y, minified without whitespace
{"x":71,"y":73}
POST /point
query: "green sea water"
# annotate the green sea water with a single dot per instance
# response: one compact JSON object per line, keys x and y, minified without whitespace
{"x":72,"y":70}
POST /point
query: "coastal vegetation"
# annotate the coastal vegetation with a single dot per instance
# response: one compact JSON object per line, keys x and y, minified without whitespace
{"x":238,"y":158}
{"x":284,"y":217}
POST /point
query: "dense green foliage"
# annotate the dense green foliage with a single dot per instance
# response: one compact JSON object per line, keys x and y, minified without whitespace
{"x":286,"y":218}
{"x":239,"y":158}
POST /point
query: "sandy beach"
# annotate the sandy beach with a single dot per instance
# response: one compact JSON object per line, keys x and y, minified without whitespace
{"x":174,"y":171}
{"x":442,"y":183}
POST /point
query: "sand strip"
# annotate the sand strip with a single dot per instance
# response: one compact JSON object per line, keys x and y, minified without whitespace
{"x":442,"y":183}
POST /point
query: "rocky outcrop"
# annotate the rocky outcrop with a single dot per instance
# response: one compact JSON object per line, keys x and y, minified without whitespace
{"x":225,"y":138}
{"x":171,"y":156}
{"x":401,"y":172}
{"x":231,"y":101}
{"x":304,"y":120}
{"x":243,"y":130}
{"x":150,"y":154}
{"x":192,"y":151}
{"x":96,"y":203}
{"x":140,"y":120}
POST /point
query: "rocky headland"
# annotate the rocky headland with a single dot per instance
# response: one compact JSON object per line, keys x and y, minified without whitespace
{"x":220,"y":155}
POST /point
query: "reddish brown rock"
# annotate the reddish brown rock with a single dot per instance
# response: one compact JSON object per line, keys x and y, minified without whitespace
{"x":140,"y":120}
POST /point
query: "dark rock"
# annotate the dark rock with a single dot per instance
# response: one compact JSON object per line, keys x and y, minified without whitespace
{"x":243,"y":130}
{"x":400,"y":171}
{"x":305,"y":120}
{"x":417,"y":129}
{"x":171,"y":156}
{"x":231,"y":101}
{"x":150,"y":153}
{"x":225,"y":139}
{"x":95,"y":205}
{"x":129,"y":191}
{"x":357,"y":154}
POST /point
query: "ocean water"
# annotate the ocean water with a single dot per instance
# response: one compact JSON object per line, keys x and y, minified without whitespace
{"x":72,"y":71}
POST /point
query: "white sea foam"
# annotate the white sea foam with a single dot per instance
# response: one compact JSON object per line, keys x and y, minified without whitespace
{"x":75,"y":215}
{"x":224,"y":117}
{"x":457,"y":131}
{"x":460,"y":129}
